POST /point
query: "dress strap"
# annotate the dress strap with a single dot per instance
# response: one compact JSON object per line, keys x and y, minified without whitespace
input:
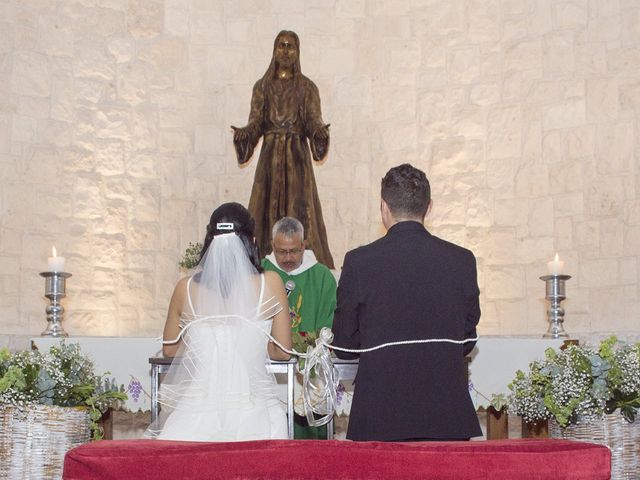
{"x":193,"y":312}
{"x":261,"y":289}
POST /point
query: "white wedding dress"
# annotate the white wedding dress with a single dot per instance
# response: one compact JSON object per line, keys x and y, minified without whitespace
{"x":218,"y":388}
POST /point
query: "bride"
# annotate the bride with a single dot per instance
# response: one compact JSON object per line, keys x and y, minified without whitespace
{"x":217,"y":388}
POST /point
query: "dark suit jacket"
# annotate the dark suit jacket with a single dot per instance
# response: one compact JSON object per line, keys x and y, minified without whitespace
{"x":409,"y":285}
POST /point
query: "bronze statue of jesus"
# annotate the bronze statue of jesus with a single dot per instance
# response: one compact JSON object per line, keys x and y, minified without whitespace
{"x":285,"y":110}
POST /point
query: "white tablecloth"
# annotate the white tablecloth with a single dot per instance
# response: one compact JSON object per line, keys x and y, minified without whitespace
{"x":495,"y":360}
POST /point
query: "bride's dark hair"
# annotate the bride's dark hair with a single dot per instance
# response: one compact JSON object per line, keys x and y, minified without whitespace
{"x":243,"y":226}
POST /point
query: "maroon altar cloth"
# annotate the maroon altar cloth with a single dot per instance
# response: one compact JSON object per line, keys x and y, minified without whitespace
{"x":334,"y":459}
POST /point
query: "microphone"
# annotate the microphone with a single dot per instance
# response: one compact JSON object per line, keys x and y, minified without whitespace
{"x":289,"y":286}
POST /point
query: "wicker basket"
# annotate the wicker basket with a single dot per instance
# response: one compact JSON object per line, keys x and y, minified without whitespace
{"x":622,"y":438}
{"x":33,"y":441}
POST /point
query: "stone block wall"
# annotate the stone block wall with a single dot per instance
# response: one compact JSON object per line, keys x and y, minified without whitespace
{"x":115,"y":143}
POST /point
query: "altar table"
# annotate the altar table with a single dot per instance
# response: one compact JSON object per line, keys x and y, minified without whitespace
{"x":160,"y":365}
{"x":346,"y":369}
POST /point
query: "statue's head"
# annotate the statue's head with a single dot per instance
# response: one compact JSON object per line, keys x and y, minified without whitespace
{"x":286,"y":50}
{"x":286,"y":54}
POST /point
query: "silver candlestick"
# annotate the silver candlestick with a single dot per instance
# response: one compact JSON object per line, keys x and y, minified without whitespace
{"x":554,"y":292}
{"x":54,"y":290}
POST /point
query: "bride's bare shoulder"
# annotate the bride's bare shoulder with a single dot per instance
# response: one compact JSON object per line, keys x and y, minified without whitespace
{"x":182,"y":284}
{"x":180,"y":290}
{"x":272,"y":279}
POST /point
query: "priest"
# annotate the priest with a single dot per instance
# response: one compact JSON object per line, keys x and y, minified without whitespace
{"x":311,"y":289}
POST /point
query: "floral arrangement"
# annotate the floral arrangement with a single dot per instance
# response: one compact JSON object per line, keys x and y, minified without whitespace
{"x":579,"y":381}
{"x":62,"y":377}
{"x":191,"y":256}
{"x":300,"y":342}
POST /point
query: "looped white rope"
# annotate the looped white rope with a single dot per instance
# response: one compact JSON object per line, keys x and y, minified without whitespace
{"x":320,"y":378}
{"x":267,"y":309}
{"x":319,"y":381}
{"x":405,"y":342}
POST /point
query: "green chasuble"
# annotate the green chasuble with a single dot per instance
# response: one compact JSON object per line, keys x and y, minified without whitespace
{"x":313,"y":300}
{"x":311,"y":306}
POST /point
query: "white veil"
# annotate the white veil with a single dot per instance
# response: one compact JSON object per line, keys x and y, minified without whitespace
{"x":218,"y":388}
{"x":226,"y":282}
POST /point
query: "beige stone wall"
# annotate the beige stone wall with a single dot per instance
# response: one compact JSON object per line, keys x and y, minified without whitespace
{"x":115,"y":142}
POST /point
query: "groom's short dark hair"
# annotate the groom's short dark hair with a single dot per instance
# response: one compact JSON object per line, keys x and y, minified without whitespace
{"x":406,"y":191}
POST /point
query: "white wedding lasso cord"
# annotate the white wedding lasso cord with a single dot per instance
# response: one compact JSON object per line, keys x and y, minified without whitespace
{"x":319,"y":395}
{"x":319,"y":358}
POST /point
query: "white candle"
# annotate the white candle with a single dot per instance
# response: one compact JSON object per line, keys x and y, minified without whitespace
{"x":555,"y":266}
{"x":55,"y":263}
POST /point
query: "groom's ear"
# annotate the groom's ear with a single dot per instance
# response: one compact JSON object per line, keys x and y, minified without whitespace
{"x":384,"y":208}
{"x":385,"y":213}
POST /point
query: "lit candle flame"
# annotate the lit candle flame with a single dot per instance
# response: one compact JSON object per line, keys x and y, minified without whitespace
{"x":53,"y":249}
{"x":555,"y":259}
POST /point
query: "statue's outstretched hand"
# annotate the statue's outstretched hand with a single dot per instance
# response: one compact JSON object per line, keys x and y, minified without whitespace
{"x":240,"y":135}
{"x":322,"y":133}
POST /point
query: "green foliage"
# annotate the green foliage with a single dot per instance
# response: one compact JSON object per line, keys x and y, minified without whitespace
{"x":301,"y":341}
{"x":96,"y":408}
{"x":62,"y":377}
{"x":191,"y":256}
{"x":5,"y":354}
{"x":579,"y":381}
{"x":627,"y":403}
{"x":498,"y":401}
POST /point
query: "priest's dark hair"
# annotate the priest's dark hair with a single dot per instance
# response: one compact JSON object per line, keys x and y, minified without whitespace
{"x":243,"y":226}
{"x":405,"y":189}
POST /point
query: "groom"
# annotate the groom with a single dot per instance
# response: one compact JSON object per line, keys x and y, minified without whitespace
{"x":408,"y":285}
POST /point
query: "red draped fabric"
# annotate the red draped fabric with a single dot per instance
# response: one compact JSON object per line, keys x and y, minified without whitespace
{"x":321,"y":459}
